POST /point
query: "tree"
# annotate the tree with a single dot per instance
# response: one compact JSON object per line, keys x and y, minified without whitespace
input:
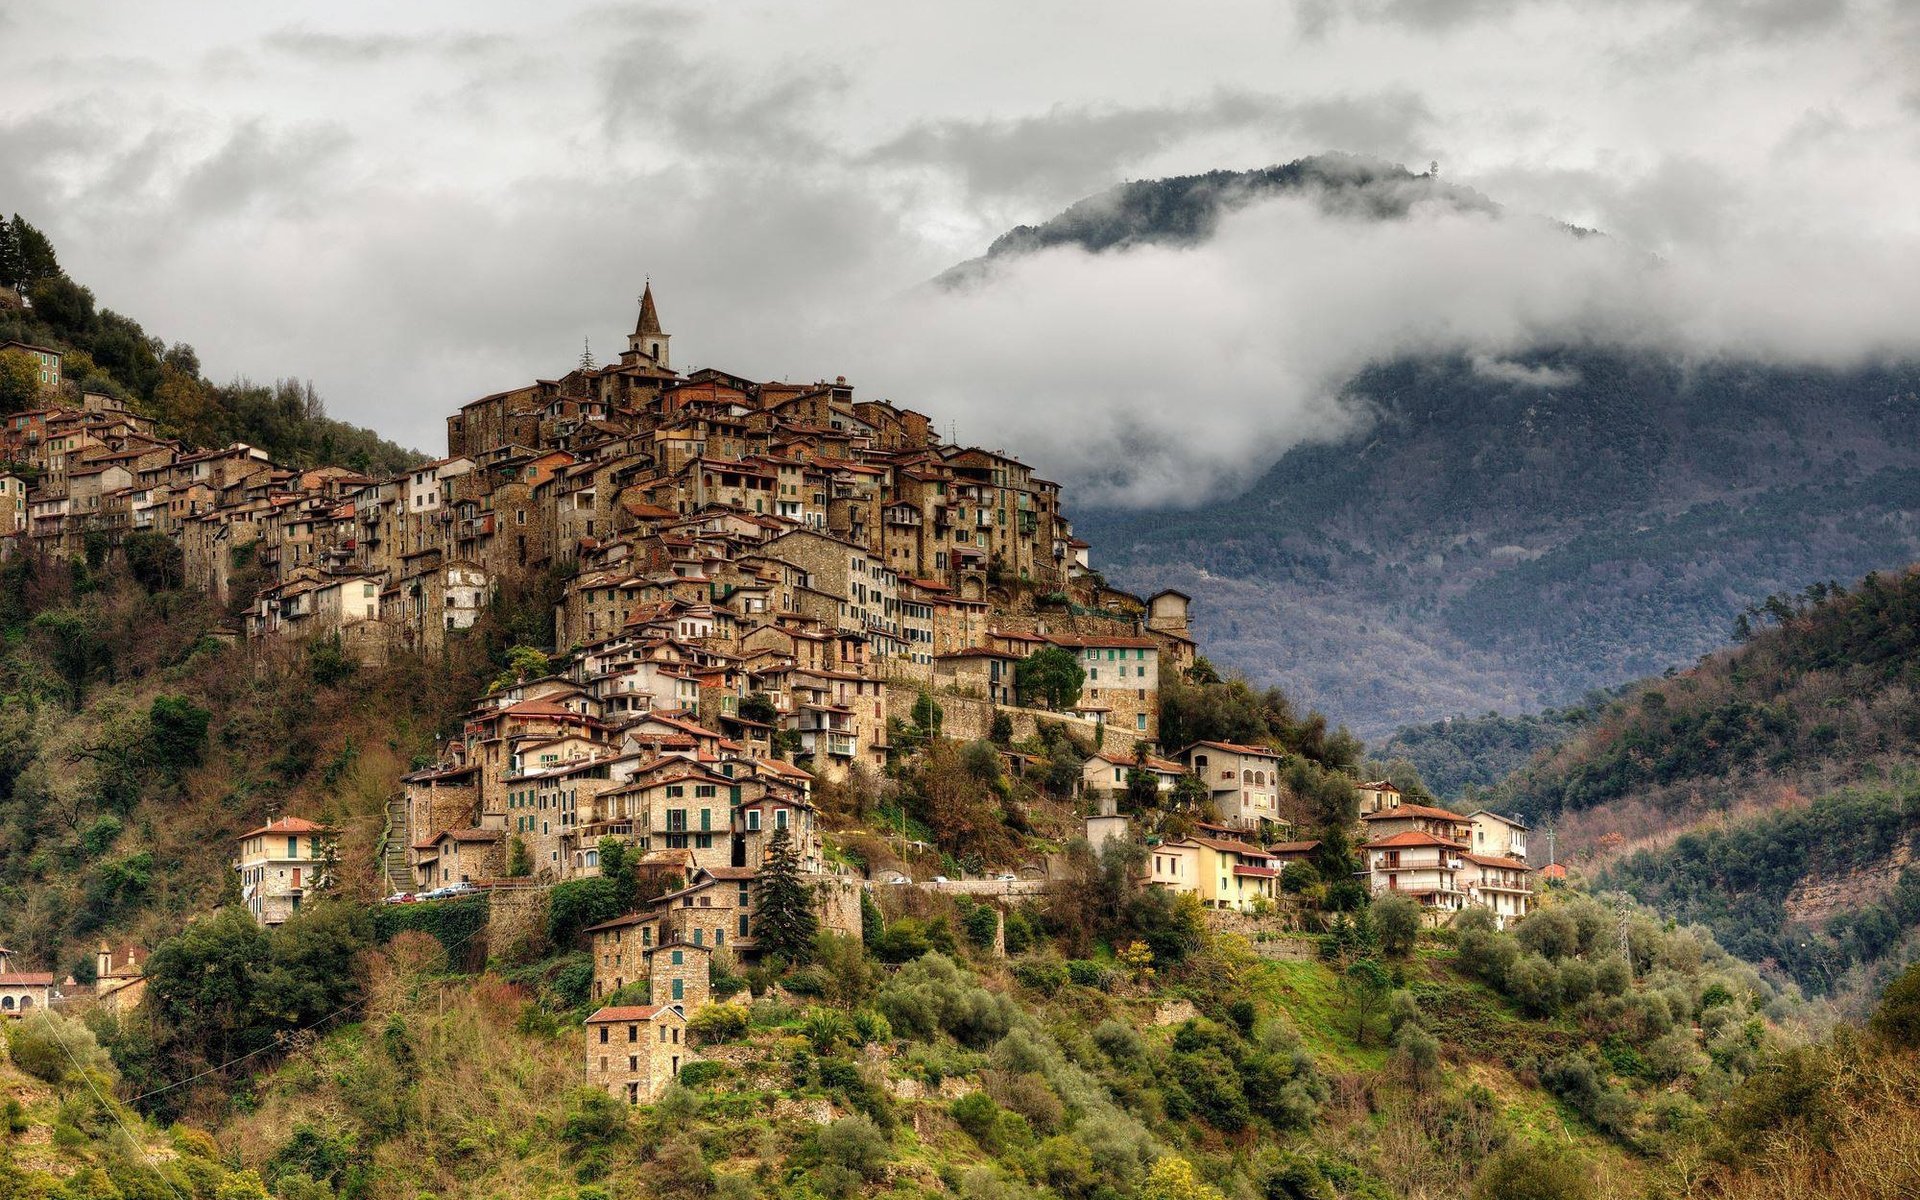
{"x":1173,"y":1178}
{"x":1396,"y":920}
{"x":75,"y":648}
{"x":178,"y":734}
{"x":523,"y":663}
{"x":1365,"y":986}
{"x":26,"y":255}
{"x":19,"y":381}
{"x":1897,"y":1019}
{"x":785,"y":922}
{"x":155,"y":560}
{"x":1052,"y":675}
{"x":1143,"y":786}
{"x":618,"y":868}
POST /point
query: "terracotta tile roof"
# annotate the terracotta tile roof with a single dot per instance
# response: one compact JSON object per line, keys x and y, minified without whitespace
{"x":646,"y":1012}
{"x":1293,"y":847}
{"x":27,"y":979}
{"x":1234,"y":748}
{"x":288,"y":825}
{"x":1494,"y":860}
{"x":1413,"y":810}
{"x":1412,"y":837}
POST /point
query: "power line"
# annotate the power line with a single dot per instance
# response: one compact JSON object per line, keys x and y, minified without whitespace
{"x":235,"y":1061}
{"x":87,"y":1077}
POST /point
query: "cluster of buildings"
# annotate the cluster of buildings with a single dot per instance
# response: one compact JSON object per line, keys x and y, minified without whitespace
{"x":719,"y":538}
{"x":1445,"y":861}
{"x":118,"y":984}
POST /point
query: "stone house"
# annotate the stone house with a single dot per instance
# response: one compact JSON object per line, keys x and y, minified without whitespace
{"x":21,"y":992}
{"x":633,"y":1053}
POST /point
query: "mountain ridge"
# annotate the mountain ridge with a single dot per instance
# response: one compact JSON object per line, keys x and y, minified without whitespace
{"x":1505,"y":533}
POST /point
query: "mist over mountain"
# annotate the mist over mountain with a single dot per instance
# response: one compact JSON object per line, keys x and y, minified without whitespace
{"x":1506,"y":512}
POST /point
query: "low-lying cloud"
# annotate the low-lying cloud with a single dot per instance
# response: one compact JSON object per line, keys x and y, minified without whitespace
{"x":1170,"y":376}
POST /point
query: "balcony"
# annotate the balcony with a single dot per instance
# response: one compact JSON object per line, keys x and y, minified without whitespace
{"x":841,"y":745}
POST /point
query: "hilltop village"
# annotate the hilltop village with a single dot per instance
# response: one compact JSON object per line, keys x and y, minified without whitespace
{"x":757,"y":588}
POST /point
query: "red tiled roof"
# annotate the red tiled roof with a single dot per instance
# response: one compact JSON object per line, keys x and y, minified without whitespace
{"x":1293,"y":847}
{"x":1494,"y":860}
{"x":645,"y":1012}
{"x":288,"y":825}
{"x":1235,"y":748}
{"x":1412,"y":837}
{"x":27,"y":979}
{"x":1413,"y":810}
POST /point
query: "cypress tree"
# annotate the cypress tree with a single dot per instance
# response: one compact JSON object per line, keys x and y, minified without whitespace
{"x":786,"y":923}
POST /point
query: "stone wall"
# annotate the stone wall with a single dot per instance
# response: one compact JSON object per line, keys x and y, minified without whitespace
{"x":837,"y":902}
{"x":970,"y":719}
{"x":516,"y":923}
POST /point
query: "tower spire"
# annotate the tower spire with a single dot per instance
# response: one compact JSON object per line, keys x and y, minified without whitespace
{"x":648,"y":341}
{"x":649,"y":316}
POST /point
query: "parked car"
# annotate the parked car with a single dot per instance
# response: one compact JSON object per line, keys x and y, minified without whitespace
{"x":898,"y":880}
{"x":400,"y":898}
{"x":463,"y":888}
{"x":438,"y":893}
{"x":1004,"y":877}
{"x":941,"y":879}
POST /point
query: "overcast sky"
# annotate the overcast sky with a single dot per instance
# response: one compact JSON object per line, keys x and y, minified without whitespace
{"x":416,"y":204}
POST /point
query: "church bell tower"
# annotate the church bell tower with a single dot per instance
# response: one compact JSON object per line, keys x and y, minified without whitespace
{"x":647,"y":341}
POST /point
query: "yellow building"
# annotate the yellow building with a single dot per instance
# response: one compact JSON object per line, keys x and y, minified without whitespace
{"x":283,"y":862}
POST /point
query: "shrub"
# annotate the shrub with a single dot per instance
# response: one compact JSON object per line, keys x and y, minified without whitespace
{"x":856,"y":1144}
{"x":717,"y":1023}
{"x":1897,"y":1019}
{"x":870,"y":1027}
{"x":1535,"y":1172}
{"x":976,"y":1113}
{"x":1043,"y":975}
{"x":55,"y":1048}
{"x":1089,"y":974}
{"x":703,"y":1071}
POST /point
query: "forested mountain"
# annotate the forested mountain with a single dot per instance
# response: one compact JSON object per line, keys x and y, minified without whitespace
{"x":1459,"y":756}
{"x":108,"y":352}
{"x":1508,"y":540}
{"x":1771,"y":793}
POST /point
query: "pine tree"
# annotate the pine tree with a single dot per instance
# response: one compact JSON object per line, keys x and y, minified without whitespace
{"x":785,"y":920}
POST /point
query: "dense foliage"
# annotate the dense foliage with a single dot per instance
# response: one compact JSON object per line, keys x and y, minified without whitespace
{"x":1462,"y":755}
{"x":1834,"y":681}
{"x":1740,"y":880}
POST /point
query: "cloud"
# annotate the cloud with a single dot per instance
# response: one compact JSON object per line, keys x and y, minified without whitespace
{"x":1068,"y":151}
{"x":1159,"y":376}
{"x":1523,"y":375}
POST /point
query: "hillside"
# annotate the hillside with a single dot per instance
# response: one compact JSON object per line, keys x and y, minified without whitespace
{"x":135,"y":743}
{"x":1769,"y":791}
{"x":923,"y":1064}
{"x":111,"y":353}
{"x":1506,"y":539}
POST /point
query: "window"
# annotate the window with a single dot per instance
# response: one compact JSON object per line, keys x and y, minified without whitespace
{"x":603,"y":1035}
{"x":780,"y":818}
{"x":679,"y":989}
{"x":753,"y":820}
{"x":633,"y":1033}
